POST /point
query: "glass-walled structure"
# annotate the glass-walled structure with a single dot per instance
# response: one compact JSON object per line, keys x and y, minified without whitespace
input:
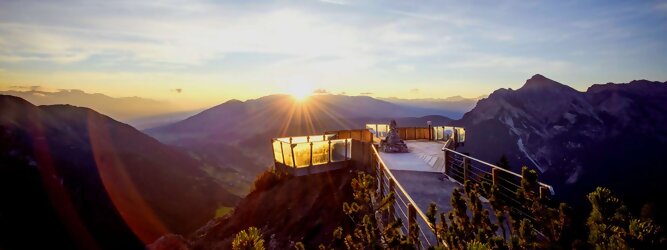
{"x":443,"y":133}
{"x":306,"y":151}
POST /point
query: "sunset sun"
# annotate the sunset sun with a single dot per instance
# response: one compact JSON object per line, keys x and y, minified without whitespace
{"x":300,"y":92}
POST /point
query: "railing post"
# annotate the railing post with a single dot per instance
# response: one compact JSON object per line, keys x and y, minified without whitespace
{"x":293,"y":159}
{"x":430,"y":133}
{"x":544,"y":191}
{"x":466,"y":169}
{"x":447,"y":161}
{"x":392,"y":188}
{"x":346,"y":148}
{"x":455,"y":135}
{"x":494,"y":175}
{"x":381,"y":182}
{"x":311,"y":154}
{"x":412,"y":220}
{"x":329,"y":152}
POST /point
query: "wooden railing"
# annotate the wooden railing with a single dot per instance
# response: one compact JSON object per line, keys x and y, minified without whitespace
{"x":363,"y":135}
{"x":433,"y":133}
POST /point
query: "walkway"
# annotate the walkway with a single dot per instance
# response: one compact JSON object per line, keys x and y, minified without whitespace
{"x":420,"y":173}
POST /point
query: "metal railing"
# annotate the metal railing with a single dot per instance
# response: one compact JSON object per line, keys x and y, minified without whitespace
{"x":403,"y":207}
{"x":461,"y":168}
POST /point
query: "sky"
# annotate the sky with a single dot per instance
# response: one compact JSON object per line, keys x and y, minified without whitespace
{"x":200,"y":53}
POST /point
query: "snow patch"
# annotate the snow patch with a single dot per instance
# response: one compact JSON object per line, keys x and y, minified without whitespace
{"x":519,"y":143}
{"x":573,"y":178}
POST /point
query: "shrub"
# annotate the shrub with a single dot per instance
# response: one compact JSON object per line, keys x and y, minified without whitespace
{"x":267,"y":180}
{"x":250,"y":239}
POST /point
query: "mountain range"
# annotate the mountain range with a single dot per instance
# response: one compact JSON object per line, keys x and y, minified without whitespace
{"x":139,"y":112}
{"x":244,"y":128}
{"x":612,"y":135}
{"x":124,"y":188}
{"x":453,"y":107}
{"x":576,"y":139}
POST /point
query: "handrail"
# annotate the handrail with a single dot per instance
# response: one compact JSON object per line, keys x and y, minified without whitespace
{"x":551,"y":190}
{"x":400,"y":187}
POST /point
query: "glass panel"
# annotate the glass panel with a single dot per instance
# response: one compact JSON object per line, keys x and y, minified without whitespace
{"x":287,"y":152}
{"x":301,"y":154}
{"x":448,"y":133}
{"x":277,"y":152}
{"x":320,"y":152}
{"x":383,"y":129}
{"x":317,"y":138}
{"x":299,"y":139}
{"x":462,"y":134}
{"x":283,"y":139}
{"x":379,"y":130}
{"x":338,"y":150}
{"x":440,"y":133}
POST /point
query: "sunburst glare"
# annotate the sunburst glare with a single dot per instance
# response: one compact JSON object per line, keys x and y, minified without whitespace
{"x":300,"y":92}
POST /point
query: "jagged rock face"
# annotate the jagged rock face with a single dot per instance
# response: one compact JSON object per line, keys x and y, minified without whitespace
{"x":556,"y":129}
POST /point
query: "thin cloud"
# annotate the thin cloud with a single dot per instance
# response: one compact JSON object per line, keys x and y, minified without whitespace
{"x":414,"y":91}
{"x":337,"y":2}
{"x":320,"y":92}
{"x":27,"y":88}
{"x":366,"y":93}
{"x":177,"y":90}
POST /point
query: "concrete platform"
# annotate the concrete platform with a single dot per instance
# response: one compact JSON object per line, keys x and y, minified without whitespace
{"x":424,"y":156}
{"x":427,"y":187}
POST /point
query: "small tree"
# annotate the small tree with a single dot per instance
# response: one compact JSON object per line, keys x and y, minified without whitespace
{"x":250,"y":239}
{"x":366,"y":233}
{"x":611,"y":226}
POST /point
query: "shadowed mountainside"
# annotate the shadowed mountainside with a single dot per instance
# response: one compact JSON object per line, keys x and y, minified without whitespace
{"x":72,"y":172}
{"x":288,"y":209}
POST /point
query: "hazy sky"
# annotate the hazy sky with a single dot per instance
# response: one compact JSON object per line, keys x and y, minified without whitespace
{"x":200,"y":53}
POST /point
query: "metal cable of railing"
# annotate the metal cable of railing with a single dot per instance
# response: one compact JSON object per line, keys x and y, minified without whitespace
{"x":549,"y":187}
{"x":404,"y":200}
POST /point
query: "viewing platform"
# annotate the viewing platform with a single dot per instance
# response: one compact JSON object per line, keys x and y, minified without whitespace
{"x":427,"y":171}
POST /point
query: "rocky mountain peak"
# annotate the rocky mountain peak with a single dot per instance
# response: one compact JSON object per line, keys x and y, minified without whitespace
{"x":541,"y":82}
